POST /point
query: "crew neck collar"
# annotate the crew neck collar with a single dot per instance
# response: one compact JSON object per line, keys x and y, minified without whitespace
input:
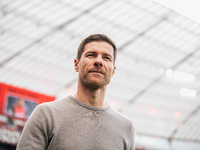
{"x":74,"y":99}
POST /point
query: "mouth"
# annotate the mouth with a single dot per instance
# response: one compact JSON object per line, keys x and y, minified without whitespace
{"x":98,"y":72}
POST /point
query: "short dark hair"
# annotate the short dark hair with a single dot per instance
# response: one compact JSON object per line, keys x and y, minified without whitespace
{"x":96,"y":37}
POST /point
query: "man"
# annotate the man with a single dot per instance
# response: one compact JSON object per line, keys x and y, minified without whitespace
{"x":83,"y":121}
{"x":19,"y":110}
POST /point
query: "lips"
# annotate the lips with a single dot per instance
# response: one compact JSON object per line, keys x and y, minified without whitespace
{"x":94,"y":71}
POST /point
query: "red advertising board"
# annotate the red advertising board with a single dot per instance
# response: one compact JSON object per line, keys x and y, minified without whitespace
{"x":16,"y":105}
{"x":11,"y":96}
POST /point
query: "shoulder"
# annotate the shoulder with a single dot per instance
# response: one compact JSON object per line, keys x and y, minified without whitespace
{"x":49,"y":108}
{"x":121,"y":123}
{"x":121,"y":118}
{"x":57,"y":104}
{"x":65,"y":106}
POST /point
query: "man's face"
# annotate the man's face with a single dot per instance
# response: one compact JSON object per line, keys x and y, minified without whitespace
{"x":20,"y":102}
{"x":96,"y":66}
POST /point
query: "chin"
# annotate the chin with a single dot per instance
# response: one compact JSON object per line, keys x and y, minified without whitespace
{"x":95,"y":85}
{"x":94,"y":82}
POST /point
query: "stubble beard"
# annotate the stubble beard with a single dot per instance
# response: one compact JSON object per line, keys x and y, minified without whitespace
{"x":87,"y":82}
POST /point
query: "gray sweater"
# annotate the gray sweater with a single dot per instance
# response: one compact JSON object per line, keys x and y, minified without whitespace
{"x":69,"y":124}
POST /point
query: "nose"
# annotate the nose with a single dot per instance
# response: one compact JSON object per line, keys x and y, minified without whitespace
{"x":98,"y":62}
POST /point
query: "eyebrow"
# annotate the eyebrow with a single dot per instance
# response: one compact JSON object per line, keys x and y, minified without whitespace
{"x":92,"y":51}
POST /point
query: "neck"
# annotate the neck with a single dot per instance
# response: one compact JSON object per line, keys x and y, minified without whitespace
{"x":90,"y":96}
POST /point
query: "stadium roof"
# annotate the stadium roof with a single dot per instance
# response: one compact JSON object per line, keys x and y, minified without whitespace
{"x":157,"y":80}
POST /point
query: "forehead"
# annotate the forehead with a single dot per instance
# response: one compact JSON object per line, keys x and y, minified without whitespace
{"x":99,"y":46}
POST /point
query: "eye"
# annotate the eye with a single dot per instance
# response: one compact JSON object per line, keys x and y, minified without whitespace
{"x":90,"y":55}
{"x":107,"y":58}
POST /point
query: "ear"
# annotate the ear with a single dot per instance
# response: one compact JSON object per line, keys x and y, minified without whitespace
{"x":113,"y":70}
{"x":76,"y":65}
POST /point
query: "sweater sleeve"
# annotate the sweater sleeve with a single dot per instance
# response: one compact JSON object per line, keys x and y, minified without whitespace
{"x":132,"y":138}
{"x":35,"y":133}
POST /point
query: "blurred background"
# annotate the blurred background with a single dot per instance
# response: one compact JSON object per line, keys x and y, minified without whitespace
{"x":157,"y":80}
